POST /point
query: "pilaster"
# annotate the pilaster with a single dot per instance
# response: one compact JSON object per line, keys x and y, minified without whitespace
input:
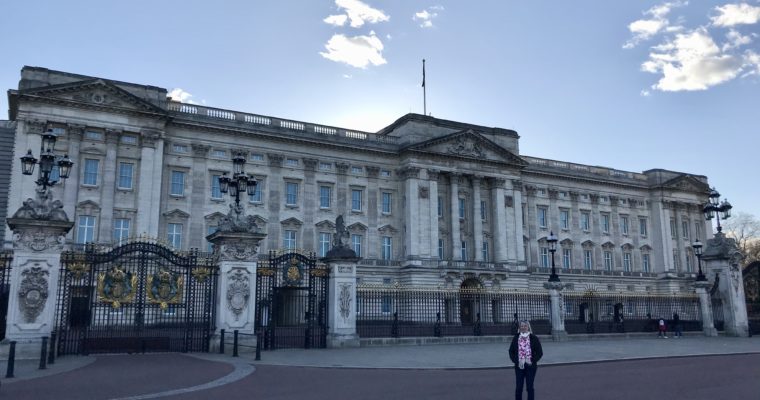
{"x":456,"y":238}
{"x":477,"y":222}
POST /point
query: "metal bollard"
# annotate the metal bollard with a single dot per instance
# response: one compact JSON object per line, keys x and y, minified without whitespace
{"x":51,"y":352}
{"x":221,"y":341}
{"x":258,"y":345}
{"x":43,"y":353}
{"x":235,"y":344}
{"x":11,"y":360}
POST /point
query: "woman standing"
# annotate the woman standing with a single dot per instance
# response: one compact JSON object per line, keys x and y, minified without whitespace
{"x":525,"y":352}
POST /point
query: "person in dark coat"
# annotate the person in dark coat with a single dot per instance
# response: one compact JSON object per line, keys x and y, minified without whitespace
{"x":525,"y":352}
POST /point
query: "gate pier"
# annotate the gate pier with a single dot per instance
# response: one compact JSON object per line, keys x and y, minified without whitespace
{"x":341,"y":319}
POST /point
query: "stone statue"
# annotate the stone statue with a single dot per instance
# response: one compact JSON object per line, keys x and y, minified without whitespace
{"x":237,"y":221}
{"x":42,"y":208}
{"x":340,"y":247}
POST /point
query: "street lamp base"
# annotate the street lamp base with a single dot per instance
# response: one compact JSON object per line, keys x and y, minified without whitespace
{"x":554,"y":278}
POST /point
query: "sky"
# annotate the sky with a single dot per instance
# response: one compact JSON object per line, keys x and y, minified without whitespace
{"x":630,"y":85}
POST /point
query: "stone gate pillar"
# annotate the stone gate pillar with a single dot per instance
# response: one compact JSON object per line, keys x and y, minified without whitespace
{"x":37,"y":247}
{"x":236,"y":299}
{"x":341,"y":313}
{"x":722,"y":258}
{"x":705,"y":305}
{"x":557,"y":310}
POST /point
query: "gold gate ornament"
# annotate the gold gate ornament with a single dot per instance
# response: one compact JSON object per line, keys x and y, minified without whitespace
{"x":165,"y":288}
{"x":117,"y":287}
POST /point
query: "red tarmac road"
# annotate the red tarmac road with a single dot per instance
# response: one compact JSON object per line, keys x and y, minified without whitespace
{"x":692,"y":378}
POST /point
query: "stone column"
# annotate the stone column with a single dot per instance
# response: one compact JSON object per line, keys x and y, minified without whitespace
{"x":410,"y":175}
{"x":456,"y":239}
{"x":722,"y":258}
{"x":236,"y":299}
{"x":200,"y":194}
{"x":500,"y":227}
{"x":71,"y":188}
{"x":149,"y":184}
{"x":558,"y":310}
{"x":341,"y":315}
{"x":518,"y":235}
{"x":110,"y":176}
{"x":310,"y":203}
{"x":477,"y":222}
{"x":433,"y":197}
{"x":35,"y":271}
{"x":705,"y":306}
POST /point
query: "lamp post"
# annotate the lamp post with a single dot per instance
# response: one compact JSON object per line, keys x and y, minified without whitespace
{"x":47,"y":161}
{"x":716,"y":208}
{"x":552,"y":240}
{"x":697,"y":245}
{"x":240,"y":182}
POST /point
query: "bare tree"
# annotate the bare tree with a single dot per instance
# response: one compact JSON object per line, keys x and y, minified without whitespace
{"x":745,"y":229}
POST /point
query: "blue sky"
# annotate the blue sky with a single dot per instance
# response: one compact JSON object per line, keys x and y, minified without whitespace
{"x":632,"y":85}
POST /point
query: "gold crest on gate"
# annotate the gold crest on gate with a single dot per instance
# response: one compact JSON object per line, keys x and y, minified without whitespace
{"x":293,"y":273}
{"x":117,"y":286}
{"x":165,"y":288}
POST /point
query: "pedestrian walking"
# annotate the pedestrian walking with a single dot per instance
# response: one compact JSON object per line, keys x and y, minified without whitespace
{"x":677,"y":328}
{"x":662,"y":329}
{"x":515,"y":325}
{"x":525,"y":352}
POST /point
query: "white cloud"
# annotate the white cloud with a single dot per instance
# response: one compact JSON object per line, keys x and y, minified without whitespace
{"x":751,"y":63}
{"x":645,"y":93}
{"x":356,"y":51}
{"x":426,"y":16}
{"x":644,"y":29}
{"x":736,"y":39}
{"x":336,"y":20}
{"x":358,"y":13}
{"x":736,"y":14}
{"x":179,"y":94}
{"x":347,"y":76}
{"x":691,"y":61}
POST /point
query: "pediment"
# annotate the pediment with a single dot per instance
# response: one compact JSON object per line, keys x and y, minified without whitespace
{"x":645,"y":248}
{"x":587,"y":243}
{"x":608,"y":245}
{"x":627,"y":247}
{"x":88,"y":205}
{"x":176,"y":213}
{"x":292,"y":221}
{"x":94,"y":92}
{"x":566,"y":243}
{"x":387,"y":229}
{"x":357,"y":227}
{"x":687,"y":183}
{"x":325,"y":224}
{"x":214,"y":216}
{"x":468,"y":144}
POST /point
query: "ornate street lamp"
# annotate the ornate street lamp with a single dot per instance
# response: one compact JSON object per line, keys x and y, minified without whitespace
{"x":714,"y":207}
{"x":239,"y":182}
{"x":47,"y":161}
{"x":552,"y":240}
{"x":697,"y":245}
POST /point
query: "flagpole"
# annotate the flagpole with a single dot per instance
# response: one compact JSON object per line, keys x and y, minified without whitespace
{"x":424,"y":90}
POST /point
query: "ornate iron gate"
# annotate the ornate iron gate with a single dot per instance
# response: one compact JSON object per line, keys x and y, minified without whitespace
{"x":291,"y":301}
{"x":752,"y":296}
{"x":139,"y":297}
{"x":5,"y":289}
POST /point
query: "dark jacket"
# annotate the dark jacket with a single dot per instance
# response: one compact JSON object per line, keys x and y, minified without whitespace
{"x":535,"y":350}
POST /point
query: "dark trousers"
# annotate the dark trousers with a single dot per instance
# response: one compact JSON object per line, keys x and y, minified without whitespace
{"x":527,"y":374}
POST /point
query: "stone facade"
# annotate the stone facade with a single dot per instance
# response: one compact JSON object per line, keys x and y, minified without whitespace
{"x":426,"y":201}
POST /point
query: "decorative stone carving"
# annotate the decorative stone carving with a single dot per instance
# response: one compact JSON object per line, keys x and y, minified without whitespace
{"x":38,"y":241}
{"x":310,"y":164}
{"x":594,"y":198}
{"x":345,"y":269}
{"x":42,"y":208}
{"x":342,"y":168}
{"x":372,"y":172}
{"x":553,"y":193}
{"x":424,"y":192}
{"x":275,"y":160}
{"x":340,"y":248}
{"x":237,"y":221}
{"x":517,"y":185}
{"x":345,"y":300}
{"x":200,"y":150}
{"x":33,"y":293}
{"x":238,"y":292}
{"x":409,"y":173}
{"x":509,"y":201}
{"x":112,"y":136}
{"x":35,"y":126}
{"x":238,"y":251}
{"x":433,"y":174}
{"x":465,"y":146}
{"x":150,"y":137}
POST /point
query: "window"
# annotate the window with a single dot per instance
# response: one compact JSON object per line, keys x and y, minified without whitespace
{"x":567,"y":257}
{"x":627,"y":262}
{"x":356,"y":200}
{"x":564,"y":219}
{"x":216,"y":191}
{"x":605,"y":223}
{"x":178,"y":183}
{"x":174,"y":235}
{"x":323,"y":166}
{"x":291,"y":193}
{"x":86,"y":229}
{"x":386,"y":203}
{"x":440,"y":207}
{"x":643,"y":227}
{"x":542,"y":217}
{"x":676,"y":259}
{"x":219,"y":153}
{"x":325,"y":195}
{"x":544,"y":256}
{"x":688,"y":262}
{"x":645,"y":262}
{"x":179,"y":148}
{"x":120,"y":230}
{"x":586,"y":221}
{"x":463,"y":252}
{"x":485,"y":250}
{"x":257,"y":157}
{"x":588,"y":259}
{"x":289,"y":239}
{"x":483,"y":213}
{"x":129,"y":139}
{"x":356,"y":244}
{"x":608,"y":260}
{"x":258,"y":195}
{"x":673,"y":228}
{"x":125,"y":175}
{"x":698,"y":229}
{"x":685,"y":230}
{"x":91,"y":171}
{"x":624,"y":225}
{"x":93,"y":135}
{"x":210,"y":230}
{"x":291,"y":162}
{"x":385,"y":173}
{"x":324,"y":243}
{"x":462,"y":208}
{"x":441,"y":249}
{"x":357,"y":170}
{"x":387,"y":248}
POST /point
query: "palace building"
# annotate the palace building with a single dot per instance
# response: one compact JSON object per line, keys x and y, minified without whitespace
{"x":427,"y":201}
